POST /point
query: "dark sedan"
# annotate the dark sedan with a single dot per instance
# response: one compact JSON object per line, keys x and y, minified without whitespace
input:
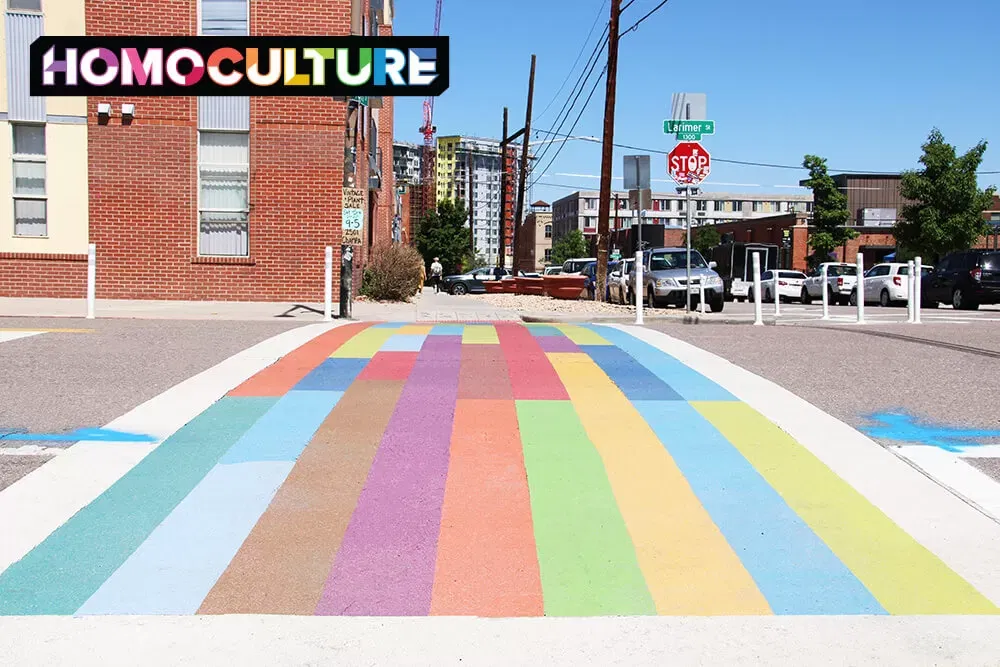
{"x":472,"y":282}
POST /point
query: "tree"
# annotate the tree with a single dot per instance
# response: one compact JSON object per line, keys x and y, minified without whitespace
{"x":830,"y":214}
{"x":443,"y":234}
{"x":944,"y":209}
{"x":570,"y":246}
{"x":706,"y":238}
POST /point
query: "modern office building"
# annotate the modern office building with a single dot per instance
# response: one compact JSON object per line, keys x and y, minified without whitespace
{"x":579,"y":210}
{"x":211,"y":198}
{"x":464,"y":162}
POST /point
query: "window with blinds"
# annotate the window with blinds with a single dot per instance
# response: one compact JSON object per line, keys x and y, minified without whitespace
{"x":224,"y":193}
{"x":30,"y":200}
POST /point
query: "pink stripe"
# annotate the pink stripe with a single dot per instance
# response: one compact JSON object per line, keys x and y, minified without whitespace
{"x":531,"y":374}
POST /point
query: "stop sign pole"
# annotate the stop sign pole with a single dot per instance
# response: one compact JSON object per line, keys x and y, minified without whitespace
{"x":689,"y":164}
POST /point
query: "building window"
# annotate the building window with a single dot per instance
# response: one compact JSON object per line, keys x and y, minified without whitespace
{"x":548,"y":231}
{"x":30,"y":205}
{"x":590,"y":204}
{"x":224,"y":17}
{"x":702,"y":205}
{"x":548,"y":254}
{"x":224,"y":193}
{"x":25,"y":5}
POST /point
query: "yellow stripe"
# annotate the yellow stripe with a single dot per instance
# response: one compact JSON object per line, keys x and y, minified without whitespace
{"x":581,"y":336}
{"x":689,"y":567}
{"x":364,"y":345}
{"x":903,"y":576}
{"x":480,"y":334}
{"x":416,"y":329}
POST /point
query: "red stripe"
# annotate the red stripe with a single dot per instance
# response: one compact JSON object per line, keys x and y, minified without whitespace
{"x":389,"y":366}
{"x":532,"y":376}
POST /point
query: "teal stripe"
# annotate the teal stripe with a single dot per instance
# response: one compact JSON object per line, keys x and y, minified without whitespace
{"x":586,"y":557}
{"x":62,"y":572}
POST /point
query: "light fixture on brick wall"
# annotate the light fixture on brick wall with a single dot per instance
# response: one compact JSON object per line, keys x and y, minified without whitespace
{"x":128,"y":114}
{"x":103,"y":113}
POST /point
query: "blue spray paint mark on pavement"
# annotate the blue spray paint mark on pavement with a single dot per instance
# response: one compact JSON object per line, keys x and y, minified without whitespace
{"x":91,"y":434}
{"x":906,"y":428}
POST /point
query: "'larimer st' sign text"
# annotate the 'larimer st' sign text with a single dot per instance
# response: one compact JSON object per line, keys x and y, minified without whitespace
{"x":239,"y":66}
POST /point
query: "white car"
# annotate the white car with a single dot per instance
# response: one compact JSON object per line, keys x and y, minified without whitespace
{"x":885,"y":284}
{"x":840,"y":283}
{"x":576,"y":265}
{"x":789,"y":285}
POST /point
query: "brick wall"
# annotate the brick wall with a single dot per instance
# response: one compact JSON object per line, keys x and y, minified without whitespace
{"x":43,"y":275}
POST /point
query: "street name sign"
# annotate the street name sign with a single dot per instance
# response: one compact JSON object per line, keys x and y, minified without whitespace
{"x":689,"y":163}
{"x":689,"y":130}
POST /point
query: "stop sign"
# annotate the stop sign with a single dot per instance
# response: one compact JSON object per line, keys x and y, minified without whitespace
{"x":689,"y":163}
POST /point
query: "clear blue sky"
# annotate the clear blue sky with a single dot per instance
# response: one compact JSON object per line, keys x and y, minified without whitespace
{"x":860,"y":82}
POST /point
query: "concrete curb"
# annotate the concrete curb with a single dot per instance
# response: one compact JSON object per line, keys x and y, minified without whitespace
{"x":559,"y":318}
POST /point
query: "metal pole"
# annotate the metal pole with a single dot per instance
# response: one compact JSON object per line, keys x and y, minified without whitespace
{"x":777,"y":296}
{"x":519,"y":213}
{"x":918,"y":274}
{"x":91,"y":279}
{"x":826,"y":292}
{"x":503,"y":192}
{"x":859,"y":289}
{"x":911,"y":290}
{"x":690,"y":218}
{"x":328,"y":286}
{"x":758,"y":313}
{"x":608,"y":150}
{"x":346,"y":280}
{"x":637,"y":288}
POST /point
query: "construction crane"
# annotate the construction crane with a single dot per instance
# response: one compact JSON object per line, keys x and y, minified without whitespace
{"x":429,"y":153}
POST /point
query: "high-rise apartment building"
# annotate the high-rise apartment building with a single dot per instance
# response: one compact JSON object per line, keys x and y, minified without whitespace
{"x":406,"y":162}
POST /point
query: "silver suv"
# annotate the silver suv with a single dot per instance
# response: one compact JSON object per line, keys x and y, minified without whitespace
{"x":665,"y":278}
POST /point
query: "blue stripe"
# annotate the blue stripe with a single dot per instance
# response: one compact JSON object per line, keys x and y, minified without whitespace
{"x":545,"y":330}
{"x":332,"y":375}
{"x":404,"y":343}
{"x":175,"y":568}
{"x":633,"y":379}
{"x":448,"y":330}
{"x":285,"y":430}
{"x":691,"y":385}
{"x":794,"y":569}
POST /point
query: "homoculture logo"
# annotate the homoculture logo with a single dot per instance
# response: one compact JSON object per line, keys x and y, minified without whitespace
{"x":238,"y":66}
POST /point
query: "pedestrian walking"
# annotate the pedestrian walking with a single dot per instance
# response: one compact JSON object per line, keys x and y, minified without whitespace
{"x":436,"y":271}
{"x":423,"y":277}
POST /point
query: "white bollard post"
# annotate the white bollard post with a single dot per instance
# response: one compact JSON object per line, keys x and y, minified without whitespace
{"x":637,"y":288}
{"x":777,"y":296}
{"x":91,"y":279}
{"x":825,"y":288}
{"x":328,"y":286}
{"x":758,"y":314}
{"x":701,"y":295}
{"x":911,"y":290}
{"x":918,"y":290}
{"x":859,"y":289}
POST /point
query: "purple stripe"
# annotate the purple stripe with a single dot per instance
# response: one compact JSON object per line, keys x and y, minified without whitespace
{"x":557,"y":344}
{"x":385,"y":566}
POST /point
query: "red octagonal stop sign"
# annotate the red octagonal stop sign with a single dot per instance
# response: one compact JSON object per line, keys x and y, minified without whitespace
{"x":689,"y":163}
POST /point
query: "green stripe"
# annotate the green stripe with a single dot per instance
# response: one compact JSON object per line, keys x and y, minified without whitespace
{"x":585,"y":554}
{"x":62,"y":572}
{"x":903,"y":575}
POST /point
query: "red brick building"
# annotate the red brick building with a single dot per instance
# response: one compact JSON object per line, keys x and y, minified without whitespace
{"x":225,"y":198}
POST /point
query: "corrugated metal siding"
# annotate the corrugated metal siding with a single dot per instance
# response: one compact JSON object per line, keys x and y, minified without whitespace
{"x":22,"y":30}
{"x":224,"y":113}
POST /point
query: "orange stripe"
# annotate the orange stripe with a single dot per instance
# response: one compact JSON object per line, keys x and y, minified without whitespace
{"x":278,"y":378}
{"x":487,"y":564}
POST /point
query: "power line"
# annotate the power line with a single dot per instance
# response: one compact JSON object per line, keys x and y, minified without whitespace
{"x":748,"y":163}
{"x":583,"y":47}
{"x":637,"y":23}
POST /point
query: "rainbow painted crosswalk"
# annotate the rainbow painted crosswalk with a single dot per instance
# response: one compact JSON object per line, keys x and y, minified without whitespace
{"x":487,"y":470}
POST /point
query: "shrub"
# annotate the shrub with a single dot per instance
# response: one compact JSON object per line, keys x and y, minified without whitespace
{"x":392,"y":273}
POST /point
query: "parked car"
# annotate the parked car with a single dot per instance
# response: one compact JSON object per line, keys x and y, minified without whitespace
{"x":472,"y":282}
{"x":841,"y":280}
{"x":574,"y":266}
{"x":618,"y":282}
{"x":553,"y":270}
{"x":665,"y":278}
{"x":964,"y":279}
{"x":789,"y":285}
{"x":590,"y":271}
{"x":885,"y":284}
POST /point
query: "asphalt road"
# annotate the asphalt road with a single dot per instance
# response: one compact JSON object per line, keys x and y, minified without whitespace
{"x":853,"y":373}
{"x":58,"y":382}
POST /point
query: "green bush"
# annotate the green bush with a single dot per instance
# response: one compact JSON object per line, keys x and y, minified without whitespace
{"x":392,"y":273}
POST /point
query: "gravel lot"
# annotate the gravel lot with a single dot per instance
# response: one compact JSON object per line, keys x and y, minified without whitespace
{"x":851,"y":374}
{"x":531,"y":303}
{"x":58,"y":382}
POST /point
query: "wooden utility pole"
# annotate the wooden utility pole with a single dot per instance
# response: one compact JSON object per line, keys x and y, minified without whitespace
{"x":604,"y":206}
{"x":519,"y":213}
{"x":503,"y":191}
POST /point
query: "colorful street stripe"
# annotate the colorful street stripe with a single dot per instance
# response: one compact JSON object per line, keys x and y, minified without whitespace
{"x":486,"y":470}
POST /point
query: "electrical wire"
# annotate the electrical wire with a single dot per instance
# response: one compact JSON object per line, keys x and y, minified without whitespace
{"x":572,"y":69}
{"x":639,"y":22}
